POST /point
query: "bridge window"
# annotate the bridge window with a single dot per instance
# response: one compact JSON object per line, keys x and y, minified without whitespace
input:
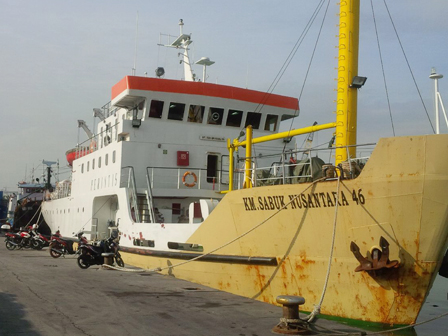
{"x":196,"y":113}
{"x":234,"y":118}
{"x":176,"y":111}
{"x":215,"y":115}
{"x":253,"y":119}
{"x":271,"y":122}
{"x":156,"y":109}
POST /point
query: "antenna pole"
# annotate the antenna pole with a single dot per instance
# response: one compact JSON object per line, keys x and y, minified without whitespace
{"x":135,"y":55}
{"x":434,"y":75}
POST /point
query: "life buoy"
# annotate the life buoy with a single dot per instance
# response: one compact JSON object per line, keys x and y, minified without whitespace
{"x":92,"y":146}
{"x":189,"y":184}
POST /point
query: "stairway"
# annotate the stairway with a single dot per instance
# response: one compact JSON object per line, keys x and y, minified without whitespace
{"x":143,"y":208}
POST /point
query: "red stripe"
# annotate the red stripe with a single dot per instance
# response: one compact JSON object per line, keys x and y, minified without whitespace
{"x":203,"y":89}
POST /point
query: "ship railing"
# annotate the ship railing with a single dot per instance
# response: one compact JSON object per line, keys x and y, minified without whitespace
{"x":127,"y":181}
{"x":296,"y":166}
{"x":184,"y":178}
{"x":62,"y":189}
{"x":108,"y":110}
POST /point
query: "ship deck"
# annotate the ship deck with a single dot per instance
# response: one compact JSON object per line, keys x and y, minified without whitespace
{"x":40,"y":295}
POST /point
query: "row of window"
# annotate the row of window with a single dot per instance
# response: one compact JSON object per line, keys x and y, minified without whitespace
{"x":211,"y":115}
{"x":106,"y":162}
{"x":62,"y":211}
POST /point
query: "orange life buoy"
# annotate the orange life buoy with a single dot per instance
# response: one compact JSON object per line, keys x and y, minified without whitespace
{"x":189,"y":184}
{"x":92,"y":146}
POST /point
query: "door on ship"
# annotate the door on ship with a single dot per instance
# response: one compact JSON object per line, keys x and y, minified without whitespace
{"x":215,"y":173}
{"x":103,"y":217}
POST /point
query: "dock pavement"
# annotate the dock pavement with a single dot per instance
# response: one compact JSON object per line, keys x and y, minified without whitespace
{"x":43,"y":296}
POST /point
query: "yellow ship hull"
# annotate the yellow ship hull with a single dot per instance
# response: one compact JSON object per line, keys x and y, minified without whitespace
{"x":401,"y":195}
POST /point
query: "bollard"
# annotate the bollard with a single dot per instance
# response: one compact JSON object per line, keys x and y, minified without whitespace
{"x":290,"y":323}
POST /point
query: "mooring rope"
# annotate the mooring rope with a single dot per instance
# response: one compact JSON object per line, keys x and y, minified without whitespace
{"x":159,"y":269}
{"x":317,"y":307}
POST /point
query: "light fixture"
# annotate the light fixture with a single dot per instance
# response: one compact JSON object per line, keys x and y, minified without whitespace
{"x":160,"y":72}
{"x":358,"y":82}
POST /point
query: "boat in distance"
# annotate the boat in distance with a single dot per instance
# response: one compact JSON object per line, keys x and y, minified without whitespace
{"x":360,"y":239}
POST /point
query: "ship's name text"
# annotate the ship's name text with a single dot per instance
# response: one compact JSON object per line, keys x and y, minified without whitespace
{"x":307,"y":201}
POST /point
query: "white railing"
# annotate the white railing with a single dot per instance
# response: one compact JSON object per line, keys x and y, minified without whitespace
{"x":183,"y":178}
{"x":291,"y":170}
{"x":62,"y":189}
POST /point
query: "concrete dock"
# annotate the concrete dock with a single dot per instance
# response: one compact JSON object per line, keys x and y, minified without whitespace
{"x":40,"y":295}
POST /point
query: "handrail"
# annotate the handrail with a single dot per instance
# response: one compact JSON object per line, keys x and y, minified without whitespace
{"x":150,"y":197}
{"x":131,"y":186}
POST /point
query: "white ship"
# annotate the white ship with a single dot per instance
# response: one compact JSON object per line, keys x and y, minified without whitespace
{"x":161,"y":169}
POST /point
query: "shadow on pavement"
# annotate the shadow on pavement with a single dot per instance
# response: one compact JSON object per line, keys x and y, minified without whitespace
{"x":12,"y":317}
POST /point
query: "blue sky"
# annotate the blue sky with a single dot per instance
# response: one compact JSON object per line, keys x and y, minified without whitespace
{"x":59,"y":60}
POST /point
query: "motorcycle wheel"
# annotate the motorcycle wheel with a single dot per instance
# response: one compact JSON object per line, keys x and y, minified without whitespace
{"x":82,"y":263}
{"x":119,"y":261}
{"x":54,"y":254}
{"x":37,"y":245}
{"x":10,"y":246}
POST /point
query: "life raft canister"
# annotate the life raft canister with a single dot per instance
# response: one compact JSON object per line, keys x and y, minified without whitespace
{"x":189,"y":184}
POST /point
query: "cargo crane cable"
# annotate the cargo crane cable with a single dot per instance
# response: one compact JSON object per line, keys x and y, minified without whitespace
{"x":309,"y":65}
{"x":382,"y":67}
{"x":316,"y":309}
{"x":159,"y":269}
{"x":409,"y":66}
{"x":290,"y":57}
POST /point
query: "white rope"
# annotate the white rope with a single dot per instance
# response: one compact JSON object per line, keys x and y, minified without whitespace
{"x":159,"y":269}
{"x":40,"y":212}
{"x":316,"y":310}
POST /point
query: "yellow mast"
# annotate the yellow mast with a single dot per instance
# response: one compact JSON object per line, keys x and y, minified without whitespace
{"x":346,"y":101}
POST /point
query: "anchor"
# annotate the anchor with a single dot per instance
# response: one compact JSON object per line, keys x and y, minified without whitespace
{"x":379,"y":259}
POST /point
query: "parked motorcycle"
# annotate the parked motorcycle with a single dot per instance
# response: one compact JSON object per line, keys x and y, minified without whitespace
{"x":37,"y":241}
{"x":21,"y":239}
{"x":12,"y":240}
{"x":60,"y":246}
{"x":94,"y":254}
{"x":44,"y":240}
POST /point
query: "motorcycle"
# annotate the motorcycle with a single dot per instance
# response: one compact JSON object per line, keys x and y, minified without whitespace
{"x":60,"y":246}
{"x":21,"y":239}
{"x":12,"y":240}
{"x":94,"y":254}
{"x":37,"y":240}
{"x":45,"y":240}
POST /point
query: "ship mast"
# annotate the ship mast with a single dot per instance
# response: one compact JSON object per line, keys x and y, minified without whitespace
{"x":347,"y":95}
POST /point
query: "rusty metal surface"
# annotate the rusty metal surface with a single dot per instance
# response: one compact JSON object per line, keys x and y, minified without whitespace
{"x":42,"y":296}
{"x":378,"y":259}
